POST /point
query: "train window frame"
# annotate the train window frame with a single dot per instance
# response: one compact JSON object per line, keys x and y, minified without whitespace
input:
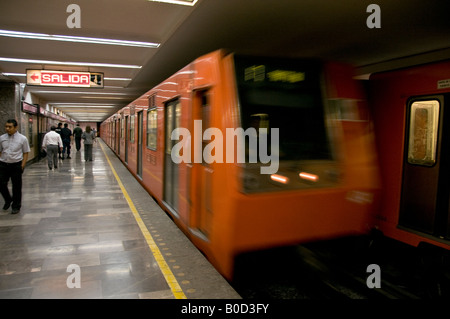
{"x":132,"y":128}
{"x":301,"y":81}
{"x":152,"y":131}
{"x":430,"y":126}
{"x":122,"y":127}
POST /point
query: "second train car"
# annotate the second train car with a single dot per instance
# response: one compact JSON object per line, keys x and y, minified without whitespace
{"x":324,"y":184}
{"x":412,"y":121}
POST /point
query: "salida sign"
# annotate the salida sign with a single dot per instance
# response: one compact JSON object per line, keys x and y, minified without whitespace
{"x":64,"y":78}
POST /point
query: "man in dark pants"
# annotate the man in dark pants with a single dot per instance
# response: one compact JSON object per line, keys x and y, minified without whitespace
{"x":77,"y":131}
{"x":66,"y":136}
{"x":58,"y":130}
{"x":14,"y":149}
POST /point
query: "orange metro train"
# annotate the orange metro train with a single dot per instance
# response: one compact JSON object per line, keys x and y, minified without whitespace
{"x":322,"y":178}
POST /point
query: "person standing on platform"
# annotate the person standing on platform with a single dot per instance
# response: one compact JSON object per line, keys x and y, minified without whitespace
{"x":66,"y":136}
{"x":89,"y":137}
{"x":14,"y":149}
{"x":58,"y":130}
{"x":77,"y":132}
{"x":52,"y":142}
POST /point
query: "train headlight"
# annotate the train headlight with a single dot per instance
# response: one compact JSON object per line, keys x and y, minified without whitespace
{"x":309,"y":177}
{"x":279,"y":178}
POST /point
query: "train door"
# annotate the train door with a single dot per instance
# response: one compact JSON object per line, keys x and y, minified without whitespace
{"x":171,"y":170}
{"x":139,"y":147}
{"x":126,"y":138}
{"x":426,"y":167}
{"x":201,"y":176}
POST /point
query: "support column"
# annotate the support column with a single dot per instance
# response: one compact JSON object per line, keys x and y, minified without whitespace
{"x":9,"y":103}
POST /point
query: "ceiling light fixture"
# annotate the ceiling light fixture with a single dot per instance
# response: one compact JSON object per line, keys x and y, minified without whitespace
{"x":180,"y":2}
{"x":105,"y":97}
{"x":14,"y":74}
{"x":85,"y":106}
{"x":93,"y":64}
{"x":85,"y":92}
{"x":118,"y":79}
{"x":71,"y":103}
{"x":67,"y":38}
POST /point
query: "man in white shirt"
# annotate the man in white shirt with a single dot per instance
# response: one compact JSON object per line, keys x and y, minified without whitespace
{"x":14,"y":149}
{"x":52,"y":143}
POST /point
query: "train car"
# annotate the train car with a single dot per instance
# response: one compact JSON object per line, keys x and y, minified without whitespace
{"x":412,"y":126}
{"x":247,"y":153}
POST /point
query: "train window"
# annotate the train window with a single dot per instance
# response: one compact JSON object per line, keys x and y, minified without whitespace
{"x":288,"y":94}
{"x":206,"y":121}
{"x":345,"y":109}
{"x":132,"y":128}
{"x":423,"y":132}
{"x":169,"y":128}
{"x":152,"y":125}
{"x":122,"y":128}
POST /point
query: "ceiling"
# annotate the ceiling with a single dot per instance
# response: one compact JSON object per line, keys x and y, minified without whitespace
{"x":412,"y":32}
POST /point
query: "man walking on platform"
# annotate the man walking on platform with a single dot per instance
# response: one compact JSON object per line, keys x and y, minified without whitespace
{"x":66,"y":136}
{"x":77,"y":131}
{"x":52,"y":143}
{"x":14,"y":149}
{"x":58,"y":130}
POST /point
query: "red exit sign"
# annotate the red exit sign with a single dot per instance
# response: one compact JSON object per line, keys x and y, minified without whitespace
{"x":64,"y":78}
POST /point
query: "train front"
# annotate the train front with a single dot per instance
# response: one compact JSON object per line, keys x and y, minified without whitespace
{"x":309,"y":169}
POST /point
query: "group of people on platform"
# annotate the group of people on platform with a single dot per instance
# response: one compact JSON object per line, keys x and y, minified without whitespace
{"x":58,"y":141}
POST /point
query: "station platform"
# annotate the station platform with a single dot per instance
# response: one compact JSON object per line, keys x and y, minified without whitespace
{"x":92,"y":224}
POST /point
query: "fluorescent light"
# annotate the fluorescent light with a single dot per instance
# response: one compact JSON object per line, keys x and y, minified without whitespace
{"x":71,"y":103}
{"x":104,"y":98}
{"x":14,"y":74}
{"x":85,"y":92}
{"x":105,"y":65}
{"x":117,"y":79}
{"x":180,"y":2}
{"x":67,"y":38}
{"x":85,"y":107}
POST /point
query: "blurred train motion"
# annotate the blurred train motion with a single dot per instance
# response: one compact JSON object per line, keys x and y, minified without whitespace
{"x":412,"y":124}
{"x":327,"y":183}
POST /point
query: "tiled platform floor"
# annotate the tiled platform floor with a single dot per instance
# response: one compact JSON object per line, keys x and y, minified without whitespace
{"x":78,"y":214}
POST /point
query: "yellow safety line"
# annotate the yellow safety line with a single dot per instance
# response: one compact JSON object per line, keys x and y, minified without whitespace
{"x":165,"y":269}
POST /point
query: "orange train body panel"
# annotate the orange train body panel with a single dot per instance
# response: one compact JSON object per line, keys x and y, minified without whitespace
{"x":231,"y":208}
